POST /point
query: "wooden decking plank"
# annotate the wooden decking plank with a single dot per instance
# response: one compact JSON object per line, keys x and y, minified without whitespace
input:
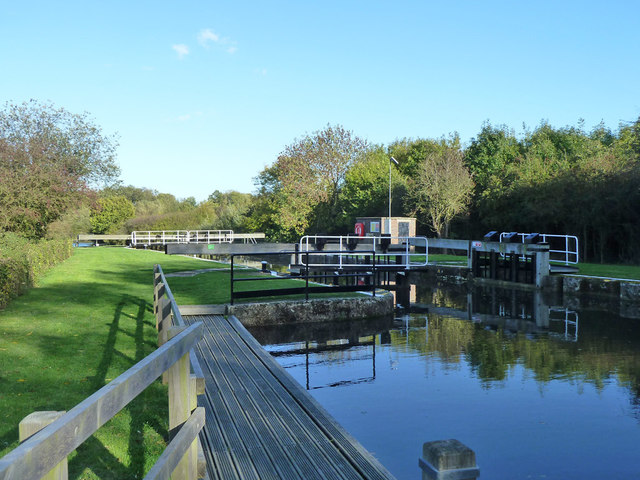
{"x":234,"y":435}
{"x":223,"y":466}
{"x":223,"y":435}
{"x":369,"y":466}
{"x":261,"y":423}
{"x":263,"y":410}
{"x":318,"y":448}
{"x":340,"y":458}
{"x":253,"y":431}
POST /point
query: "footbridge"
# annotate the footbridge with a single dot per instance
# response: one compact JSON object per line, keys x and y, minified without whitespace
{"x":158,"y":238}
{"x":260,"y":422}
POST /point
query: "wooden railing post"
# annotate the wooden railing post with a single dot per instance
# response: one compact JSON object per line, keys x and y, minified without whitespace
{"x":157,"y":279}
{"x":159,"y":296}
{"x":164,"y":322}
{"x":32,"y":424}
{"x":181,"y":400}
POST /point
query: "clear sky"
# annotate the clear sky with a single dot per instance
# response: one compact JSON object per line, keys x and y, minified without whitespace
{"x":205,"y":94}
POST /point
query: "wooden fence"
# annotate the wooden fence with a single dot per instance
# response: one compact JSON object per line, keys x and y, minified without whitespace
{"x":49,"y":437}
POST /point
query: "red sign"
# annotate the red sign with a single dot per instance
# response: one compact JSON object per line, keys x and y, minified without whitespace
{"x":360,"y":229}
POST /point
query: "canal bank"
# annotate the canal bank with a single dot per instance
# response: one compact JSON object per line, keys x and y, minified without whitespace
{"x":621,"y":295}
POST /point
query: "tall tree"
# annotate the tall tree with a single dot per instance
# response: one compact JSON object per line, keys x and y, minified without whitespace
{"x":442,"y":189}
{"x":49,"y":158}
{"x":411,"y":152}
{"x":366,"y":189}
{"x":304,"y":183}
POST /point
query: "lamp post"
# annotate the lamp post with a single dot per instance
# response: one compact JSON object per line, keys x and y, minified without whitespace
{"x":391,"y":160}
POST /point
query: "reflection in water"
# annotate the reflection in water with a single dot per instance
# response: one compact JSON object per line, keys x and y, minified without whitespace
{"x":311,"y":350}
{"x":515,"y":375}
{"x":311,"y":346}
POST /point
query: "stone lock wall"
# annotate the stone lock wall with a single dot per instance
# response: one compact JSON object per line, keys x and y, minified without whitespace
{"x":316,"y":310}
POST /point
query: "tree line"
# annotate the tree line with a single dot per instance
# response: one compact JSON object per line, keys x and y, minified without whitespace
{"x":59,"y":176}
{"x":546,"y":180}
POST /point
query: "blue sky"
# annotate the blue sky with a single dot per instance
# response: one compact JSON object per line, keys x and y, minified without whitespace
{"x":205,"y":94}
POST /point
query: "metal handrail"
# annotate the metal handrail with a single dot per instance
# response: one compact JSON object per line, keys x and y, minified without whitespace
{"x":385,"y":247}
{"x":162,"y":237}
{"x":306,"y":289}
{"x":571,"y":255}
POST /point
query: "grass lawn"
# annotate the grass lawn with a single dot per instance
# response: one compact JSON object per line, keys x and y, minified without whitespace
{"x":448,"y":259}
{"x":89,"y":320}
{"x":631,"y":272}
{"x":213,"y":288}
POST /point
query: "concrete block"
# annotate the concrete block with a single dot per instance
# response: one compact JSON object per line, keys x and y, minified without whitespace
{"x":630,"y":291}
{"x":448,"y":459}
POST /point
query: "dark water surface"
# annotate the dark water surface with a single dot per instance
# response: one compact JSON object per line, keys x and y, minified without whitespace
{"x":536,"y":389}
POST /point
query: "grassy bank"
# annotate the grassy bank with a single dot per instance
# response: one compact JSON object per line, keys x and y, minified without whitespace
{"x":630,"y":272}
{"x":89,"y":320}
{"x":213,"y":288}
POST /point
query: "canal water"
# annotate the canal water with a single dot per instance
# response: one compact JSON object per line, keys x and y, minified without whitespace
{"x":538,"y":389}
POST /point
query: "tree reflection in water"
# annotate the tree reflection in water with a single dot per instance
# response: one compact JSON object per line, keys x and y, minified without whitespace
{"x":425,"y":371}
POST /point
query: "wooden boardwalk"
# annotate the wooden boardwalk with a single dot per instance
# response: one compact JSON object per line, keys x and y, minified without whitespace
{"x":260,"y":423}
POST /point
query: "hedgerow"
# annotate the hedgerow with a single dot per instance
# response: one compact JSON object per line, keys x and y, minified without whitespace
{"x":23,"y":262}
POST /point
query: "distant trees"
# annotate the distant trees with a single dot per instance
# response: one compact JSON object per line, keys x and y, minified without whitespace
{"x":229,"y":210}
{"x":561,"y":180}
{"x":366,"y":188}
{"x":547,"y":179}
{"x":49,"y":161}
{"x":110,"y":213}
{"x":58,"y":177}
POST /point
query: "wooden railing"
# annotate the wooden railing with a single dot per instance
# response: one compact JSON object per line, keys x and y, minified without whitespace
{"x":49,"y":437}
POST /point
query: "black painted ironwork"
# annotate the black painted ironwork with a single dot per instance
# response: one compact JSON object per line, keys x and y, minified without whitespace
{"x":352,"y":278}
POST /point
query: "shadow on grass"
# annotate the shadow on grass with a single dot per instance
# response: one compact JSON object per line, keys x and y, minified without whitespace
{"x":52,"y":361}
{"x":148,"y":409}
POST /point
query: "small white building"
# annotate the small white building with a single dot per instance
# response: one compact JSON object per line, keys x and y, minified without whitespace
{"x":378,"y":226}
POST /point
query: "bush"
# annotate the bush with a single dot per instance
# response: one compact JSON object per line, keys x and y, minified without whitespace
{"x":23,"y":262}
{"x":14,"y":280}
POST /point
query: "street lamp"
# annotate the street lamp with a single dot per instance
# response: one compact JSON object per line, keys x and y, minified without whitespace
{"x":391,"y":160}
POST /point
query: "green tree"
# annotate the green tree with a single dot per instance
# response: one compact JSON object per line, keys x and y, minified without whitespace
{"x":34,"y":196}
{"x":49,"y":159}
{"x":366,"y":188}
{"x":230,"y":210}
{"x":303,"y":185}
{"x":39,"y":133}
{"x":442,"y":189}
{"x":411,"y":152}
{"x":110,"y":214}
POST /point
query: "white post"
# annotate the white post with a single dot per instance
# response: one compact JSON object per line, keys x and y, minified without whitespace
{"x":390,"y":194}
{"x":391,"y":159}
{"x":407,"y":263}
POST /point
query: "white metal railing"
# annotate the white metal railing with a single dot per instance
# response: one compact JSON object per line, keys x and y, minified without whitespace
{"x":162,"y":237}
{"x":570,"y":319}
{"x":563,"y":248}
{"x":347,"y":246}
